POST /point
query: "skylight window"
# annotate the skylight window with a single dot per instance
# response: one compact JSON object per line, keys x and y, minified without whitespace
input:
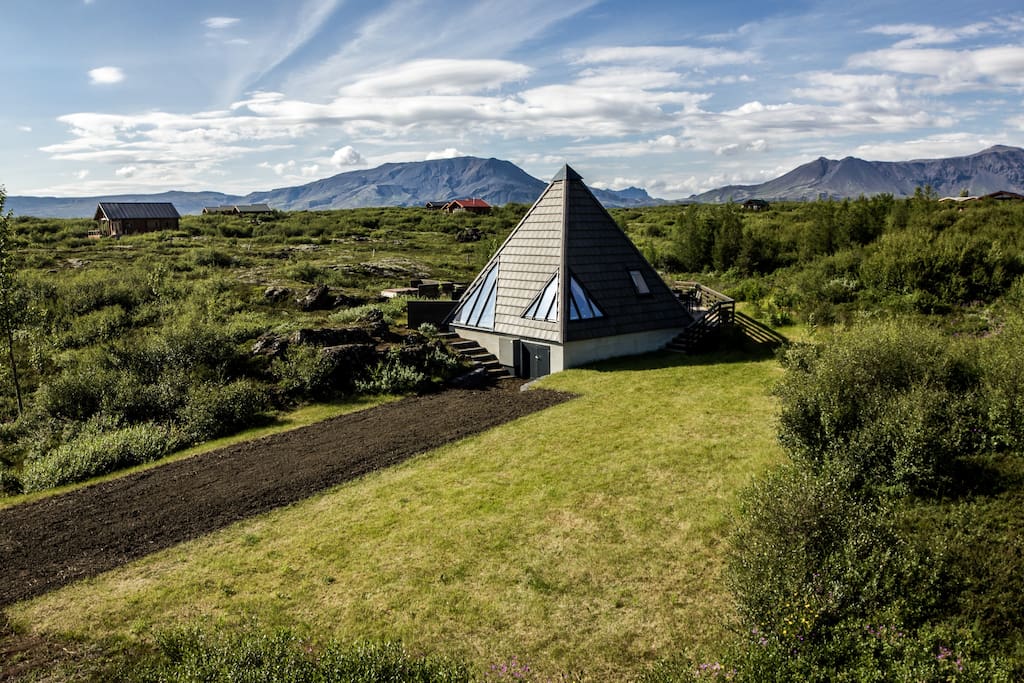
{"x":639,"y":282}
{"x":478,"y":309}
{"x":545,"y":305}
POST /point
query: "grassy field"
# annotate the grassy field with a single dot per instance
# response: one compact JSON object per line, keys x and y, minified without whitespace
{"x":586,"y":539}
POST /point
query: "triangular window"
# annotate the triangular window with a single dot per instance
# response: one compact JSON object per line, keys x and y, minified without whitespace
{"x":545,"y":305}
{"x":478,"y":309}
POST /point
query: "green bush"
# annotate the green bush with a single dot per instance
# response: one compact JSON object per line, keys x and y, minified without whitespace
{"x":212,"y":410}
{"x":191,"y":655}
{"x":888,"y":405}
{"x":95,"y":453}
{"x":1003,"y":391}
{"x":10,"y":483}
{"x":391,"y":376}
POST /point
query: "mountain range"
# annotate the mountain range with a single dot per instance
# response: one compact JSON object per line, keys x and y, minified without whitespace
{"x":500,"y":182}
{"x":996,"y":168}
{"x":397,"y":184}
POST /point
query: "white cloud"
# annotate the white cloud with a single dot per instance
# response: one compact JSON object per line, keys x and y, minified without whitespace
{"x":438,"y":76}
{"x":282,"y":169}
{"x":925,"y":34}
{"x":310,"y":171}
{"x":25,"y":129}
{"x":663,"y":56}
{"x":950,"y":70}
{"x":105,"y":75}
{"x":396,"y":34}
{"x":126,"y":171}
{"x":347,"y":156}
{"x":448,"y":153}
{"x":81,"y":175}
{"x":219,"y":23}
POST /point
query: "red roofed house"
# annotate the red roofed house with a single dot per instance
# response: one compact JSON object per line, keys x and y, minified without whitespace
{"x":471,"y":205}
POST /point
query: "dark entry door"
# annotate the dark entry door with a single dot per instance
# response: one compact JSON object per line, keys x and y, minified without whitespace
{"x":534,"y":360}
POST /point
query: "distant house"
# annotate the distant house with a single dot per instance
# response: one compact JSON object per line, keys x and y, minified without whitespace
{"x":238,"y":209}
{"x":470,"y":205}
{"x":133,"y":218}
{"x":756,"y":205}
{"x":435,"y":206}
{"x":1004,"y":196}
{"x":252,"y":209}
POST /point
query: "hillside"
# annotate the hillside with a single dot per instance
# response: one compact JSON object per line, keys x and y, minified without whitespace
{"x":397,"y":184}
{"x":996,"y":168}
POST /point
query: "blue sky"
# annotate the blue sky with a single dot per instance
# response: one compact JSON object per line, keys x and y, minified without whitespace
{"x":110,"y":96}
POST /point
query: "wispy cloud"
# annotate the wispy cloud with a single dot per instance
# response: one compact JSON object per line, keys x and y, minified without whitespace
{"x":439,"y":76}
{"x":662,"y":56}
{"x":219,"y":23}
{"x":106,"y":75}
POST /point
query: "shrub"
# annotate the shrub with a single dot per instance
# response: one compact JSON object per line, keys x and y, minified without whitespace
{"x":892,"y":405}
{"x":213,"y":410}
{"x":1004,"y":386}
{"x":92,"y":454}
{"x":74,"y":394}
{"x":10,"y":484}
{"x":393,"y":376}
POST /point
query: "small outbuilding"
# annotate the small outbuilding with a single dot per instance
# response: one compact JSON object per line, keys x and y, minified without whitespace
{"x":470,"y":205}
{"x":756,"y":205}
{"x":566,"y":288}
{"x":117,"y":219}
{"x":238,"y":209}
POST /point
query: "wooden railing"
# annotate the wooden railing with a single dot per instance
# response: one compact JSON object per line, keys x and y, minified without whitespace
{"x":700,"y":301}
{"x":712,"y":311}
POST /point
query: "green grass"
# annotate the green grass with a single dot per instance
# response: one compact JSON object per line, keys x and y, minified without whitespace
{"x":586,"y":538}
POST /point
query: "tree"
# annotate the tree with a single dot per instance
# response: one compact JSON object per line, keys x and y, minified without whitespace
{"x":7,"y":313}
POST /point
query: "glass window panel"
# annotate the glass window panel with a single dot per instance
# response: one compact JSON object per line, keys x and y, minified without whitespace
{"x":639,"y":282}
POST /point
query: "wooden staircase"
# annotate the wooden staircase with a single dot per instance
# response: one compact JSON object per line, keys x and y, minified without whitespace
{"x":483,"y":361}
{"x":711,"y":311}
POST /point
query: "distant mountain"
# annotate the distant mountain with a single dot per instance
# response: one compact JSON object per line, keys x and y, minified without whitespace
{"x":996,"y":168}
{"x":400,"y":184}
{"x":85,"y":207}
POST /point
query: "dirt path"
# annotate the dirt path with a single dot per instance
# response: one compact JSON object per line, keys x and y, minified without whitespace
{"x":52,"y":542}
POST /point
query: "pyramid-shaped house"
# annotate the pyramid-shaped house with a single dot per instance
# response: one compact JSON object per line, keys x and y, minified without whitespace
{"x":566,"y":288}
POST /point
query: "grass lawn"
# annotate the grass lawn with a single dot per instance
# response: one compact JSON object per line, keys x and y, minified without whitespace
{"x":586,"y":538}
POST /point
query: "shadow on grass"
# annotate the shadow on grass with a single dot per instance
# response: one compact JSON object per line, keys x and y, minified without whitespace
{"x":732,"y":347}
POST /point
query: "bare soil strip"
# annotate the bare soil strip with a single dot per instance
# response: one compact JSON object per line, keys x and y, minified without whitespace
{"x":51,"y":542}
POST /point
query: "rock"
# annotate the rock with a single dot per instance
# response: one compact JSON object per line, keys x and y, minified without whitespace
{"x":276,"y":294}
{"x":316,"y":299}
{"x":269,"y":345}
{"x":469,"y":235}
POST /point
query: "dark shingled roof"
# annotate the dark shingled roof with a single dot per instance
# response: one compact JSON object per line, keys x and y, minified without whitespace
{"x":120,"y":211}
{"x":568,"y":228}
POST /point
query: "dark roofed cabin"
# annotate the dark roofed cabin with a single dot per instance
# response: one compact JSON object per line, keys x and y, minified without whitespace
{"x":117,"y":219}
{"x":756,"y":205}
{"x":252,"y":209}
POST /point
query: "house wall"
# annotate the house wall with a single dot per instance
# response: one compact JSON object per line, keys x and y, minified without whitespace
{"x":590,"y":350}
{"x":574,"y":354}
{"x":138,"y":226}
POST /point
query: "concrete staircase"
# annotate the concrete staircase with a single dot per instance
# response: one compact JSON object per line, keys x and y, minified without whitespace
{"x":483,"y":361}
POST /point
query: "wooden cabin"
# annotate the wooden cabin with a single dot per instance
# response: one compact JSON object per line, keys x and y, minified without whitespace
{"x":117,"y":219}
